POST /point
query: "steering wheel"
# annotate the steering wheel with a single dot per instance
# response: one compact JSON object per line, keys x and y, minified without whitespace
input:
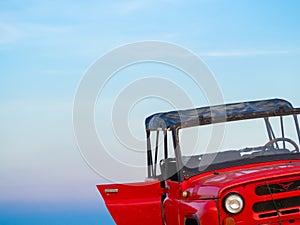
{"x":275,"y":140}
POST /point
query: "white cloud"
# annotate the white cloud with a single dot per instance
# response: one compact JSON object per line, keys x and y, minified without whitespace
{"x":15,"y":32}
{"x":130,"y":6}
{"x":9,"y":33}
{"x":247,"y":53}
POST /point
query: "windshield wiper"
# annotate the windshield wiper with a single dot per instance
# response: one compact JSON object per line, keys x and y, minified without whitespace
{"x":247,"y":149}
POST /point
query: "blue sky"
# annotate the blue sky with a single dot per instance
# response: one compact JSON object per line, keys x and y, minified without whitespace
{"x":252,"y":47}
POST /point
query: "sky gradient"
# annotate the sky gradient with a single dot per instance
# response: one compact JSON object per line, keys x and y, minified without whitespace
{"x":252,"y":47}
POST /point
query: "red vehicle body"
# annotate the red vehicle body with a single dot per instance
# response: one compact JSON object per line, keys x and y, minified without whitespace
{"x":247,"y":186}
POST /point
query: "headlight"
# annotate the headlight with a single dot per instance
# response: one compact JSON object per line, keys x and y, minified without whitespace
{"x":233,"y":203}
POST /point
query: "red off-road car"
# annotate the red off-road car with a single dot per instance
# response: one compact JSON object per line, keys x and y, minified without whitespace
{"x":254,"y":182}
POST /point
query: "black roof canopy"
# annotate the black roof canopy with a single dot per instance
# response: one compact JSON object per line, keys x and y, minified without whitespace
{"x":219,"y":113}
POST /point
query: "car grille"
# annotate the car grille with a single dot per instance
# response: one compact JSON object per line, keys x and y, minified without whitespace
{"x":276,"y":204}
{"x":277,"y":188}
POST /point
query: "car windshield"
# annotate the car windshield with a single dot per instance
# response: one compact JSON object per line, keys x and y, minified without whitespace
{"x":205,"y":146}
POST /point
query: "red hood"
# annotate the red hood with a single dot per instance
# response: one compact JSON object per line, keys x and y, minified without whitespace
{"x":211,"y":185}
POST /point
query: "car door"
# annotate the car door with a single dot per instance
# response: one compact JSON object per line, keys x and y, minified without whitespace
{"x":133,"y":204}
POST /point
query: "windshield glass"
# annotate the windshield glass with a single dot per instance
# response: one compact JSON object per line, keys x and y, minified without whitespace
{"x":241,"y":140}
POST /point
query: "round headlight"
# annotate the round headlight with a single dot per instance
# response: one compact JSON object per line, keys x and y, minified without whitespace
{"x":233,"y":203}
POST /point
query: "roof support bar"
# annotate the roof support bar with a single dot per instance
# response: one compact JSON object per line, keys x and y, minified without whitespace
{"x":297,"y":126}
{"x":282,"y":130}
{"x":166,"y":144}
{"x":270,"y":131}
{"x":156,"y":152}
{"x":178,"y":155}
{"x":149,"y":156}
